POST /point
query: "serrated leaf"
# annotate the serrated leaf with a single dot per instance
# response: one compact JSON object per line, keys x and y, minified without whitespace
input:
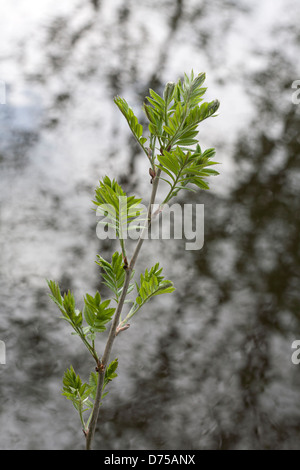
{"x":76,"y":391}
{"x":55,"y":290}
{"x":151,"y":283}
{"x":97,"y":313}
{"x":113,"y":203}
{"x":66,"y":305}
{"x":136,"y":128}
{"x":114,"y":274}
{"x":159,"y":102}
{"x":110,"y":374}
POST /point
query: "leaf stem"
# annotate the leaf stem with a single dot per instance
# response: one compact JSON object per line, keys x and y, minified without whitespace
{"x":84,"y":426}
{"x":148,"y":220}
{"x":91,"y":348}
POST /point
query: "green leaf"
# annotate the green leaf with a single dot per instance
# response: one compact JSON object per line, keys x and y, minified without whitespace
{"x":136,"y":128}
{"x":110,"y":374}
{"x":151,"y":114}
{"x":93,"y":380}
{"x":158,"y":100}
{"x":168,"y":93}
{"x":186,"y":167}
{"x":200,"y":183}
{"x":97,"y":313}
{"x":174,"y":118}
{"x":76,"y":391}
{"x":56,"y":295}
{"x":66,"y":305}
{"x":152,"y":283}
{"x":113,"y":203}
{"x":114,"y":274}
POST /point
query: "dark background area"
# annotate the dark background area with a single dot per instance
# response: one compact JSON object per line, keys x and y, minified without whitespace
{"x":208,"y":367}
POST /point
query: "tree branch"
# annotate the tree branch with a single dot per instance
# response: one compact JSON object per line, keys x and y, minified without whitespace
{"x":101,"y":366}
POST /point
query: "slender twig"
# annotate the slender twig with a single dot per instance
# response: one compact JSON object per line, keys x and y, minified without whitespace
{"x":148,"y":221}
{"x":101,"y":366}
{"x":90,"y":348}
{"x":103,"y":363}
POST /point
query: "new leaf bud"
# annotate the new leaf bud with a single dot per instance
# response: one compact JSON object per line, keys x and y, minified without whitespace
{"x":168,"y":92}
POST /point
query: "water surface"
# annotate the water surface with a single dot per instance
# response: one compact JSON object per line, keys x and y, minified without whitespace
{"x":210,"y":366}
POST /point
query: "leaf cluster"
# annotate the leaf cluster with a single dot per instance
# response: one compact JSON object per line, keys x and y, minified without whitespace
{"x":82,"y":394}
{"x":66,"y":305}
{"x":174,"y":119}
{"x":185,"y":167}
{"x":135,"y":126}
{"x":76,"y":391}
{"x":97,"y":313}
{"x":110,"y":374}
{"x":151,"y":283}
{"x":118,"y":208}
{"x":114,"y":274}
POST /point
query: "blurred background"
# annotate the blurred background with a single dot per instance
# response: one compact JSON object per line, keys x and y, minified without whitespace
{"x":208,"y":367}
